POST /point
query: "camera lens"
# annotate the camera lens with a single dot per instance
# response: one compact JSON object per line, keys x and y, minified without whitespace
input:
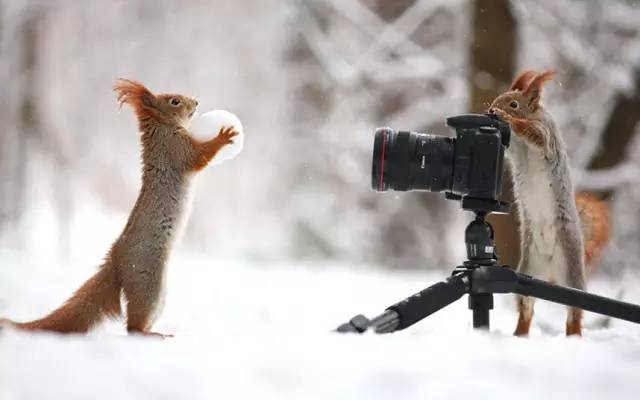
{"x":380,"y":166}
{"x":411,"y":161}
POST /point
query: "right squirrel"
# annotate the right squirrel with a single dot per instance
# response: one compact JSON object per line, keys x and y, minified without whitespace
{"x":555,"y":243}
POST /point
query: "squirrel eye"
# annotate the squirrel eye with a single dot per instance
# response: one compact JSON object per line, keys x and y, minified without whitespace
{"x":175,"y":101}
{"x":513,"y":104}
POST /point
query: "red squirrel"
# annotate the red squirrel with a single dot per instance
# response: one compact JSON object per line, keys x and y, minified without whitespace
{"x":553,"y":237}
{"x":135,"y":264}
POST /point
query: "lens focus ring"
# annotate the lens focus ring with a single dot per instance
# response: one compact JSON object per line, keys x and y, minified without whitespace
{"x":380,"y":163}
{"x":401,"y":155}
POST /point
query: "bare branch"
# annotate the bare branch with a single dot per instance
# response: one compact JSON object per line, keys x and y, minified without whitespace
{"x":337,"y":67}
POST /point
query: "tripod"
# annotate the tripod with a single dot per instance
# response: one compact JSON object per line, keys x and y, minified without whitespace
{"x":480,"y":277}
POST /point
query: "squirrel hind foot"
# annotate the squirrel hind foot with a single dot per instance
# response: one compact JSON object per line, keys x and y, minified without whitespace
{"x":574,"y":322}
{"x":523,"y":327}
{"x":574,"y":328}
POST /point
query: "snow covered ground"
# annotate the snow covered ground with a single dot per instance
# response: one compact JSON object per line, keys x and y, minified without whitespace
{"x":245,"y":330}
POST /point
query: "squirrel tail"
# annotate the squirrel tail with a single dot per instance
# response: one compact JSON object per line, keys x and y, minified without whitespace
{"x":595,"y":219}
{"x":97,"y":298}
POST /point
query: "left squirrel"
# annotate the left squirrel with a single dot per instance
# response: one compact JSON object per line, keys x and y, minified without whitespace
{"x":135,"y":264}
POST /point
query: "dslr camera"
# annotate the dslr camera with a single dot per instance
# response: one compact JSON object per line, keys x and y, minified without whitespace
{"x":467,"y":168}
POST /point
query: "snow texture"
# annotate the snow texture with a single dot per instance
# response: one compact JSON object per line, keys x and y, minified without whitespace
{"x":246,"y":331}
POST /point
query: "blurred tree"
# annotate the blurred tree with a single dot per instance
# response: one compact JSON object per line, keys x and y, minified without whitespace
{"x":349,"y":66}
{"x":619,"y":130}
{"x":28,"y":121}
{"x":361,"y":65}
{"x":493,"y":59}
{"x":4,"y":122}
{"x":32,"y":134}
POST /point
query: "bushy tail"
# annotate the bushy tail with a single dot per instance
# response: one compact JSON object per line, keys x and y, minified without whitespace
{"x":596,"y":227}
{"x":98,"y":298}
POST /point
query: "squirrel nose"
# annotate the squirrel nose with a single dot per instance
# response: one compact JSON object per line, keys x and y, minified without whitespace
{"x":492,"y":111}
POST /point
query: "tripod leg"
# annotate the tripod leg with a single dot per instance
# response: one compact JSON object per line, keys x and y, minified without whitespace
{"x":525,"y":314}
{"x":481,"y":304}
{"x":530,"y":286}
{"x":413,"y":309}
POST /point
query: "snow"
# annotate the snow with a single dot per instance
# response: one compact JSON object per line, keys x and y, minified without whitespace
{"x":208,"y":125}
{"x":247,"y":330}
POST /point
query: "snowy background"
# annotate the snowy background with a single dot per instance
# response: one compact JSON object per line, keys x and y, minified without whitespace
{"x":287,"y":241}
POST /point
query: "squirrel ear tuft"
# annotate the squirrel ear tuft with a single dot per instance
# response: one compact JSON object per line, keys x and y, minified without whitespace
{"x":534,"y":89}
{"x":133,"y":93}
{"x":523,"y":80}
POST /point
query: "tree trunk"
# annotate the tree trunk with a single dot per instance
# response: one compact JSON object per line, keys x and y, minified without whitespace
{"x":493,"y":53}
{"x":618,"y":131}
{"x":27,"y":124}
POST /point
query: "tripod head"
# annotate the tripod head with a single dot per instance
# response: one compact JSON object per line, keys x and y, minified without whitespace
{"x":478,"y":205}
{"x":478,"y":238}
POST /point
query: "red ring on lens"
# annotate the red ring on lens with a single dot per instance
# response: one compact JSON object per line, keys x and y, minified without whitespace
{"x":384,"y":149}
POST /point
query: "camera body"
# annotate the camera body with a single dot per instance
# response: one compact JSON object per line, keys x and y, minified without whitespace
{"x":467,"y":167}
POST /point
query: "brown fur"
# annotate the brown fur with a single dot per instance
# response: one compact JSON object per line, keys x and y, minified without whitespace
{"x":596,"y":227}
{"x":594,"y":213}
{"x":138,"y":97}
{"x":207,"y":150}
{"x":528,"y":131}
{"x":135,"y":265}
{"x":526,"y":91}
{"x":552,"y":242}
{"x":525,"y":314}
{"x":97,"y":298}
{"x":574,"y":322}
{"x":533,"y":91}
{"x":522,"y":81}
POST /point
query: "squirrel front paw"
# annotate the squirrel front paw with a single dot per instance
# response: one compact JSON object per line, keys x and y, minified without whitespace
{"x":205,"y":151}
{"x":524,"y":128}
{"x":226,"y":135}
{"x":503,"y":115}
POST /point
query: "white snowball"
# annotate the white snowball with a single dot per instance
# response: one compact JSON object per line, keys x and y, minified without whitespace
{"x":207,"y":126}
